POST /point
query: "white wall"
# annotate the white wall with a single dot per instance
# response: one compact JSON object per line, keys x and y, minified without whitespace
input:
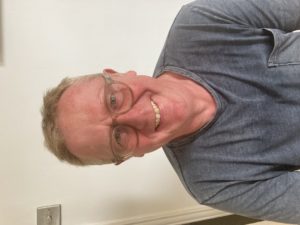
{"x":43,"y":41}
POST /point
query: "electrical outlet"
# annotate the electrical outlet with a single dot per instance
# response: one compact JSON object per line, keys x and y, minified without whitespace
{"x":49,"y":215}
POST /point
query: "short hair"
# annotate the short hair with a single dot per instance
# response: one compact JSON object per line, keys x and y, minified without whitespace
{"x":53,"y":138}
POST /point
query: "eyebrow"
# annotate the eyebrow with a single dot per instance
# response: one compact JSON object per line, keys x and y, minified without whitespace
{"x":102,"y":99}
{"x":101,"y":91}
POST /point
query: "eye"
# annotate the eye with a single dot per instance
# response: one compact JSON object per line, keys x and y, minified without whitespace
{"x":119,"y":98}
{"x":117,"y":136}
{"x":115,"y":101}
{"x":124,"y":140}
{"x":112,"y":101}
{"x":120,"y":139}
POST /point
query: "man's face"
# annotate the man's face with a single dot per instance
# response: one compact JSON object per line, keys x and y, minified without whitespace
{"x":86,"y":122}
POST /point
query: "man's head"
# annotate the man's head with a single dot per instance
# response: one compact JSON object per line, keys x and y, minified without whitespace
{"x":99,"y":119}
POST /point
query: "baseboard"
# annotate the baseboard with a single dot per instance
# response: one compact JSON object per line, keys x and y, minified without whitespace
{"x":177,"y":217}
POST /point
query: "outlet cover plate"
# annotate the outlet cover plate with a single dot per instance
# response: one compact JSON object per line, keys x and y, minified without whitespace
{"x":49,"y":215}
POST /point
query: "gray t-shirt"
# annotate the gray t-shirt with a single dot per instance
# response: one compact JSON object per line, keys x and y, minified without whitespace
{"x":246,"y":53}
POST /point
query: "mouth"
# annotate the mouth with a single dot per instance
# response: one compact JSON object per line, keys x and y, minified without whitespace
{"x":157,"y":113}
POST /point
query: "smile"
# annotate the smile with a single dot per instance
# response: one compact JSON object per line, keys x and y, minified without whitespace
{"x":157,"y":113}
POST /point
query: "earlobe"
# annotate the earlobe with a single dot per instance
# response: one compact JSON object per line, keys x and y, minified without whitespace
{"x":131,"y":73}
{"x":140,"y":155}
{"x":109,"y":71}
{"x":112,"y":71}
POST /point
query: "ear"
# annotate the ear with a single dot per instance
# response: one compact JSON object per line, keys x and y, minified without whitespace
{"x":109,"y":71}
{"x":131,"y":73}
{"x":139,"y":155}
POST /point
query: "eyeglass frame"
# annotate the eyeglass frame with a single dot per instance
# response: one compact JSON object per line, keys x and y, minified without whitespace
{"x":108,"y":82}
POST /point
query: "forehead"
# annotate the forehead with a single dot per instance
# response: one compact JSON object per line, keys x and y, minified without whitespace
{"x":84,"y":120}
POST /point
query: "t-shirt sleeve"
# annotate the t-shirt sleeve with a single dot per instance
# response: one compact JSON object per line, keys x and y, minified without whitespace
{"x":276,"y":14}
{"x":276,"y":199}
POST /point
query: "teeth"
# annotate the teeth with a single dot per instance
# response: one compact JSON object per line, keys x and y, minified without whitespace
{"x":157,"y":113}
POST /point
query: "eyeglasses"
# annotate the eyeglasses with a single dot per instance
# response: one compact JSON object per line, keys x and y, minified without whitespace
{"x":119,"y":99}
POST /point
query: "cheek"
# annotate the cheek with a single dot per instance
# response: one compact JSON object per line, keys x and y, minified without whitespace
{"x":142,"y":84}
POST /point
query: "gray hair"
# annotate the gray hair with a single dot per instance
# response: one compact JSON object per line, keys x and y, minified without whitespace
{"x":53,"y":139}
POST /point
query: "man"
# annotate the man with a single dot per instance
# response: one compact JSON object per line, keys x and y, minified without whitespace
{"x":224,"y":104}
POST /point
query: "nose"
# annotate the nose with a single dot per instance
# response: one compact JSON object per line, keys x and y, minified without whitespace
{"x":141,"y":117}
